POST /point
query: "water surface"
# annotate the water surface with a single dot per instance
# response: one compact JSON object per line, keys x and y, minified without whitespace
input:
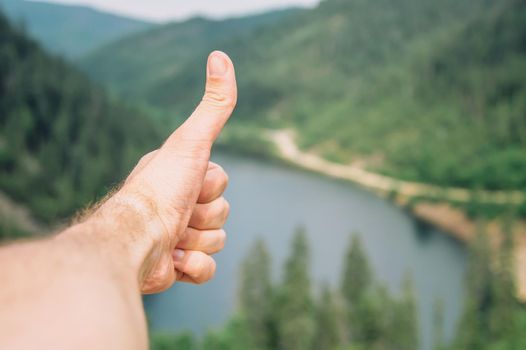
{"x":271,"y":201}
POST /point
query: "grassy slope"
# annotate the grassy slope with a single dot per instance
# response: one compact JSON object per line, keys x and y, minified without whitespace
{"x":70,"y":30}
{"x":361,"y":78}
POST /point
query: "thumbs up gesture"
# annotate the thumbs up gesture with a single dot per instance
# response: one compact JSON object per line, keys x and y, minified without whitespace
{"x":170,"y":211}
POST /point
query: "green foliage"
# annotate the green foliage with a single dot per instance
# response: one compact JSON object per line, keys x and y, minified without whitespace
{"x":246,"y":140}
{"x":256,"y":296}
{"x":375,"y":319}
{"x":364,"y":303}
{"x":474,"y":332}
{"x":164,"y":341}
{"x":62,"y":142}
{"x":235,"y":336}
{"x":175,"y":45}
{"x":502,"y":317}
{"x":285,"y":316}
{"x":328,"y":327}
{"x":476,"y":71}
{"x":403,"y":324}
{"x":71,"y":31}
{"x":434,"y":87}
{"x":493,"y":319}
{"x":9,"y":230}
{"x":357,"y":275}
{"x":294,"y":304}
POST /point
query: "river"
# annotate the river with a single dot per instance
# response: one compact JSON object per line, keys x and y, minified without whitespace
{"x":270,"y":201}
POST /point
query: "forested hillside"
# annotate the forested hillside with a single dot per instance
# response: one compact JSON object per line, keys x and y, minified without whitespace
{"x":138,"y":63}
{"x":454,"y":110}
{"x":62,"y":142}
{"x":68,"y":30}
{"x":430,"y":90}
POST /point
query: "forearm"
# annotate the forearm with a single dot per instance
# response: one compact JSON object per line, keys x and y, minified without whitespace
{"x":83,"y":275}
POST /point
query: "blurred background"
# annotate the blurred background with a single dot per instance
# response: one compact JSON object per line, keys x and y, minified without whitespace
{"x":377,"y":159}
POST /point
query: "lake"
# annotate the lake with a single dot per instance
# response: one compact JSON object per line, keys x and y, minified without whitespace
{"x":270,"y":201}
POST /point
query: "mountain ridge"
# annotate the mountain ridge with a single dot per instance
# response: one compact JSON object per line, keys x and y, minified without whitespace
{"x":70,"y":30}
{"x":197,"y":35}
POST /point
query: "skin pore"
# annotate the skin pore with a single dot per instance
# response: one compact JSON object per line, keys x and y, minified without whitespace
{"x":81,"y":288}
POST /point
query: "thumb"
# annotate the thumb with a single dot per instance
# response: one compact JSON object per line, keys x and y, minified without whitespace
{"x":219,"y":100}
{"x":177,"y":170}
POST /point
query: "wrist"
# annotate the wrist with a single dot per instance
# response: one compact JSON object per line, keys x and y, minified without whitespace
{"x":118,"y":237}
{"x":129,"y":230}
{"x":132,"y":219}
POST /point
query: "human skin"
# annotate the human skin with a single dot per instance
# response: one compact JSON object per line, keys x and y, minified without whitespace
{"x":81,"y":288}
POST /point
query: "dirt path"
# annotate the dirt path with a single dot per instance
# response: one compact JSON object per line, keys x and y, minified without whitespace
{"x":284,"y":141}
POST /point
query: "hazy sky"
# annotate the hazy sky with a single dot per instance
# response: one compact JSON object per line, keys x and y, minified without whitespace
{"x":161,"y":10}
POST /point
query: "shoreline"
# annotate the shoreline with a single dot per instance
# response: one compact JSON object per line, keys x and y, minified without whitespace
{"x":435,"y":211}
{"x":290,"y":152}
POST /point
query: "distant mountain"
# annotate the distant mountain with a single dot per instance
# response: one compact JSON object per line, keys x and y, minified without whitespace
{"x":62,"y":142}
{"x":413,"y":88}
{"x":315,"y":51}
{"x":67,"y":30}
{"x":163,"y":52}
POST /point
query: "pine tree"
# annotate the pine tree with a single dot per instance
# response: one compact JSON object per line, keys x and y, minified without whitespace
{"x":360,"y":303}
{"x":294,"y":307}
{"x":183,"y":341}
{"x":493,"y":319}
{"x":403,"y":325}
{"x":475,"y":332}
{"x":328,"y":335}
{"x":369,"y":319}
{"x":233,"y":336}
{"x":256,"y":296}
{"x":357,"y":277}
{"x":503,"y":316}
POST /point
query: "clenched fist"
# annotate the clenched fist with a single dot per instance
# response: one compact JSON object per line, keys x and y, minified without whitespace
{"x":171,"y":208}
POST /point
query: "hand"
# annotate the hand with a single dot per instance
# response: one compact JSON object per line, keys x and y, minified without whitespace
{"x":170,"y":210}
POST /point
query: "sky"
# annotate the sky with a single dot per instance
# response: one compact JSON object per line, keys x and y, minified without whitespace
{"x":164,"y":10}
